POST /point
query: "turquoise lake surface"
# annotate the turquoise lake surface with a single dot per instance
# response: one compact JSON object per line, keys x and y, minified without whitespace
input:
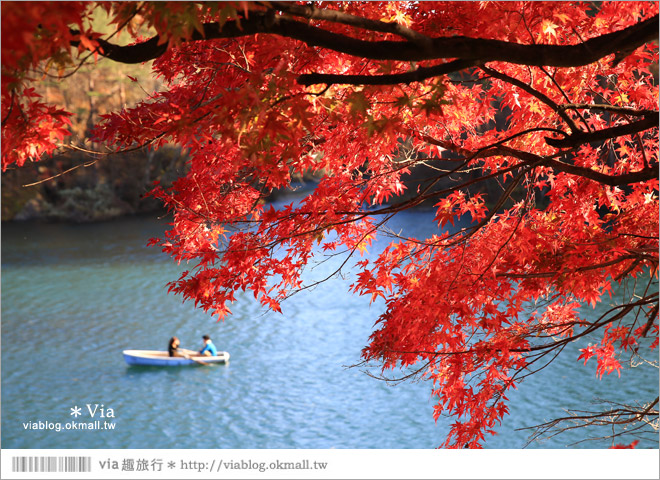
{"x":75,"y":296}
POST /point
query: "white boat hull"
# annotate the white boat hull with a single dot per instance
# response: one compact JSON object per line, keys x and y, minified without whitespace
{"x":157,"y":358}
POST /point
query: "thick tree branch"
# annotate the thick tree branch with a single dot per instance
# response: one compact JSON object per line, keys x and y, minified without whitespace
{"x":643,"y":175}
{"x":336,"y":16}
{"x":475,"y":50}
{"x":418,"y":75}
{"x":577,"y":139}
{"x":608,"y":108}
{"x":557,"y":165}
{"x":614,"y":261}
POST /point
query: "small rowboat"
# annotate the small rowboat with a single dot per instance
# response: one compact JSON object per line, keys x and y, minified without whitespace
{"x":156,"y":358}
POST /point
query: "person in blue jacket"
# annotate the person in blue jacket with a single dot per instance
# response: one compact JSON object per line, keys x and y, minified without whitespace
{"x":209,"y":349}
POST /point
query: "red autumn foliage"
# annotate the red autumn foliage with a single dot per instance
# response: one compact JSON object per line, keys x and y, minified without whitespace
{"x":557,"y":101}
{"x":630,"y":445}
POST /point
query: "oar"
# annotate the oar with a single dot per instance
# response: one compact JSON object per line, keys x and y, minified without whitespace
{"x":187,"y":356}
{"x":198,"y":361}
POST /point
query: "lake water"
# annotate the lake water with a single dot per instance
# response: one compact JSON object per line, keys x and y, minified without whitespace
{"x":75,"y":296}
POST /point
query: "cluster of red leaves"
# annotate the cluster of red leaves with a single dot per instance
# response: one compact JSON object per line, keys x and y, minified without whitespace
{"x":37,"y":31}
{"x":36,"y":36}
{"x":472,"y":308}
{"x":31,"y":128}
{"x":630,"y":445}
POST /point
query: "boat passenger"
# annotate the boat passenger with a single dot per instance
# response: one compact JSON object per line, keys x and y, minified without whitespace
{"x":173,"y":347}
{"x":209,"y":349}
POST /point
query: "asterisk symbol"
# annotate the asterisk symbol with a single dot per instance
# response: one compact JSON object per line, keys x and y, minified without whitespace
{"x":75,"y":411}
{"x":171,"y":465}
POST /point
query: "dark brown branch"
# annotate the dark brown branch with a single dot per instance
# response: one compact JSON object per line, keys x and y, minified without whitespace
{"x":565,"y":272}
{"x":623,"y":415}
{"x":418,"y":75}
{"x":555,"y":344}
{"x":653,"y":314}
{"x":476,"y":50}
{"x":578,"y":139}
{"x":652,"y":404}
{"x":557,"y":165}
{"x":336,"y":16}
{"x":611,"y":180}
{"x":608,"y":108}
{"x":535,"y":93}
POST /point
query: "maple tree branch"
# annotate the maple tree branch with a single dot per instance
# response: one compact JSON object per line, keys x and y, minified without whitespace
{"x":608,"y":108}
{"x":75,"y":167}
{"x":563,"y":93}
{"x":625,"y":309}
{"x":539,"y":351}
{"x":535,"y":352}
{"x":467,"y":49}
{"x":423,"y":197}
{"x":596,"y":266}
{"x":652,"y":404}
{"x":11,"y":107}
{"x":529,"y":158}
{"x":336,"y":16}
{"x":548,"y":347}
{"x":533,"y":92}
{"x":349,"y":255}
{"x":615,"y":416}
{"x":472,"y":230}
{"x":652,"y":315}
{"x":92,"y":162}
{"x":643,"y":175}
{"x":577,"y":139}
{"x":418,"y":75}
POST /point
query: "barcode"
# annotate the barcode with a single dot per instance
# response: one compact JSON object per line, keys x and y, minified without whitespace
{"x":51,"y":464}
